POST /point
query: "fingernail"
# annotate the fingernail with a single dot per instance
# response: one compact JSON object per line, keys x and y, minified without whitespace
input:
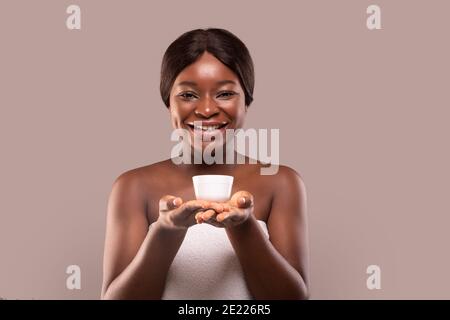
{"x":242,"y":200}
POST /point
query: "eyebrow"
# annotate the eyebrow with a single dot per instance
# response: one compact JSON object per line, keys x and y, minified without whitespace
{"x":187,"y":83}
{"x":194,"y":84}
{"x":220,"y":83}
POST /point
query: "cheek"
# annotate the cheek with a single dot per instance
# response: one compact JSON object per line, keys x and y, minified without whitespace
{"x":237,"y":112}
{"x":240,"y":117}
{"x":175,"y":116}
{"x":178,"y":113}
{"x":174,"y":120}
{"x":234,"y":107}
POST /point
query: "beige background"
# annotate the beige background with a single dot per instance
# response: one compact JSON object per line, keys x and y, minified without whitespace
{"x":363,"y":116}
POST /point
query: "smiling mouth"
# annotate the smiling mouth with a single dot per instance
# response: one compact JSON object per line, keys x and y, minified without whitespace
{"x":207,"y":127}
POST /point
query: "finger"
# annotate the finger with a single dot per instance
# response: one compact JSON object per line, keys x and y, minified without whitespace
{"x":223,"y":216}
{"x":244,"y":202}
{"x":194,"y":205}
{"x":169,"y":202}
{"x":198,"y":217}
{"x":208,"y":214}
{"x":216,"y":206}
{"x":242,"y":199}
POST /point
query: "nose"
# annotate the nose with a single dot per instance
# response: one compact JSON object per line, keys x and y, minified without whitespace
{"x":206,"y":108}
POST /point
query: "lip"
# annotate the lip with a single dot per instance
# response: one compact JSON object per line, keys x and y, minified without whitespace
{"x":208,"y":123}
{"x":207,"y":135}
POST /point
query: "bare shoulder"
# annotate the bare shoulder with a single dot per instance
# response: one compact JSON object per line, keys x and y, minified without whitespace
{"x":131,"y":188}
{"x":277,"y":179}
{"x":282,"y":177}
{"x":287,"y":176}
{"x":289,"y":190}
{"x":127,"y":185}
{"x":143,"y":175}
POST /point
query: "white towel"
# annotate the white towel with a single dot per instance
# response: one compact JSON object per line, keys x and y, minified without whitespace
{"x":206,"y":267}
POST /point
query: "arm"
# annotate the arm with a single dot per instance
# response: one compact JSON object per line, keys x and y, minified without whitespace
{"x":135,"y":263}
{"x":277,"y":269}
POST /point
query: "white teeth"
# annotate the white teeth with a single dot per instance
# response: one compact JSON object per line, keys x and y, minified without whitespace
{"x":207,"y":128}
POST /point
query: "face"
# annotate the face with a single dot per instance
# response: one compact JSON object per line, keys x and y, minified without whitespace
{"x":209,"y":93}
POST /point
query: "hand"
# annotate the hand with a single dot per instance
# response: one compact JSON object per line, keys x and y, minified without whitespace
{"x":175,"y":214}
{"x":235,"y":211}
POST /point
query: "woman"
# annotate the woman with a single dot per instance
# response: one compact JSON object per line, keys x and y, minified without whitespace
{"x":161,"y":243}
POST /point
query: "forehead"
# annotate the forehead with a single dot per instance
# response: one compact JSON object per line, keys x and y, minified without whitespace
{"x":206,"y":68}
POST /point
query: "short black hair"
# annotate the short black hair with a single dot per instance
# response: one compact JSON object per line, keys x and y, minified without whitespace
{"x":222,"y":44}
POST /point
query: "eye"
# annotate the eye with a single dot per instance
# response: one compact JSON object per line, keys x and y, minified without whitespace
{"x":187,"y":95}
{"x":226,"y":94}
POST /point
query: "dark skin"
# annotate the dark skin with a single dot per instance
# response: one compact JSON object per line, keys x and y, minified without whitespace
{"x":136,"y":259}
